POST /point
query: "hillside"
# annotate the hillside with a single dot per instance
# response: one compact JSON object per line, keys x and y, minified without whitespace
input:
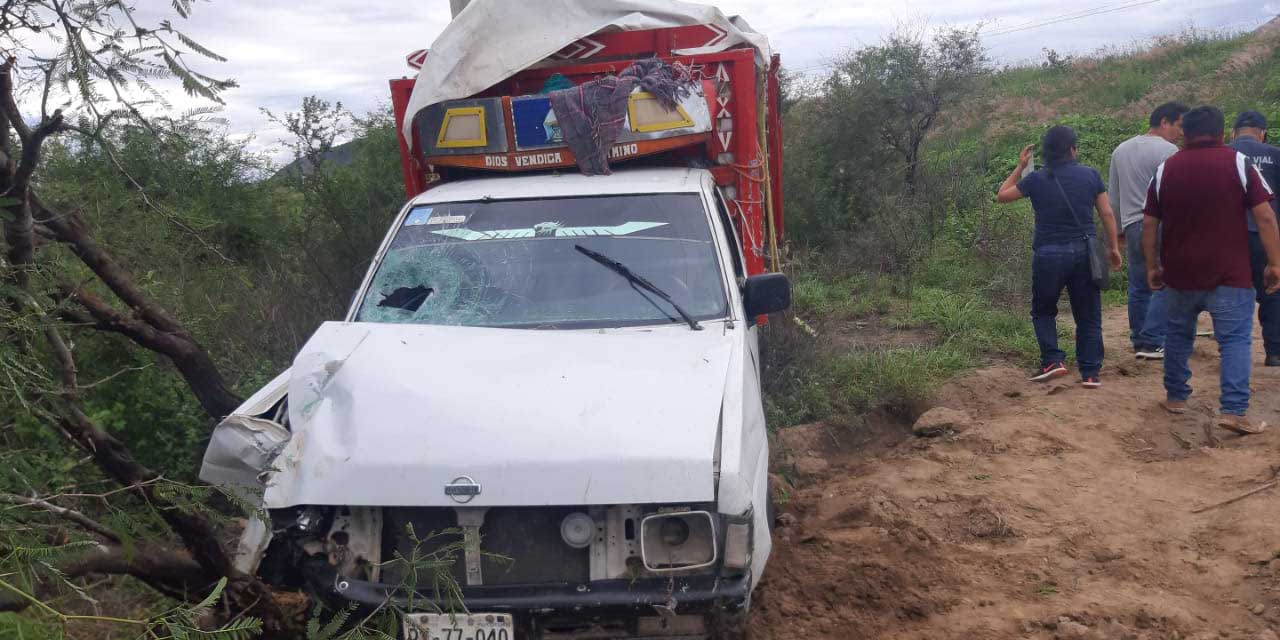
{"x":1045,"y":512}
{"x":918,"y":289}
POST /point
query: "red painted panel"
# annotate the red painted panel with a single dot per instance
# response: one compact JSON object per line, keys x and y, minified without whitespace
{"x":413,"y":180}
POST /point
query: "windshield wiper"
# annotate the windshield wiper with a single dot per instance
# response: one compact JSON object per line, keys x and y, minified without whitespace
{"x":639,"y":281}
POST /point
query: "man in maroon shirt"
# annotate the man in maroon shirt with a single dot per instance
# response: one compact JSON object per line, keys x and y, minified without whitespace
{"x":1197,"y":196}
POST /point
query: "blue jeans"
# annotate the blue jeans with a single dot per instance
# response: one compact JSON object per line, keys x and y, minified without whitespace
{"x":1268,"y":304}
{"x":1053,"y":268}
{"x":1232,"y":311}
{"x":1146,"y":307}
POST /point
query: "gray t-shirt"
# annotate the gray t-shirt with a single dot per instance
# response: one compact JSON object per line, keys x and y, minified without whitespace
{"x":1133,"y":164}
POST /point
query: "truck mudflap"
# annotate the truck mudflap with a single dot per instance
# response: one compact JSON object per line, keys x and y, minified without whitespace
{"x":676,"y":595}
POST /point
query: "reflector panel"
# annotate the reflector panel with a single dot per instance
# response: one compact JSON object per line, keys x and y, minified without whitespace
{"x":463,"y":127}
{"x":648,"y":114}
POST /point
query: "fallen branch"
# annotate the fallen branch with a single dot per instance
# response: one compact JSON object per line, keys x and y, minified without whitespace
{"x":1269,"y":485}
{"x":172,"y":573}
{"x":63,"y":512}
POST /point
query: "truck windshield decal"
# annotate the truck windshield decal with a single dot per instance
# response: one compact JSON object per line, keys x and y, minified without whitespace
{"x":549,"y":230}
{"x":439,"y":269}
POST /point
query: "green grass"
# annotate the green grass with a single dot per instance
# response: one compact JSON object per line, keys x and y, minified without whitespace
{"x":950,"y":302}
{"x":839,"y":384}
{"x":843,"y":297}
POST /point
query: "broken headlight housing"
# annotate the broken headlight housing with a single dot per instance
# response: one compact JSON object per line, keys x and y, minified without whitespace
{"x":678,"y":541}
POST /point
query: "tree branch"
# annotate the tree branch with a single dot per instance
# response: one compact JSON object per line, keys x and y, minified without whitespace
{"x":195,"y":365}
{"x":10,"y":104}
{"x":170,"y":572}
{"x":62,"y":512}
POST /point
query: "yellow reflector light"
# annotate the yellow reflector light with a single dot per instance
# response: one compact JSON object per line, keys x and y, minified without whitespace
{"x":462,"y":127}
{"x":648,"y":114}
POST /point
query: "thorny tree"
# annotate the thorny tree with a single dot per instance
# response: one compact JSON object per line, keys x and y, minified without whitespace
{"x":905,"y":82}
{"x":79,"y":70}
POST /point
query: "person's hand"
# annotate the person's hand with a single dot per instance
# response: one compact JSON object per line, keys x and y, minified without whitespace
{"x":1024,"y":158}
{"x":1155,"y":278}
{"x":1115,"y":258}
{"x":1271,"y":277}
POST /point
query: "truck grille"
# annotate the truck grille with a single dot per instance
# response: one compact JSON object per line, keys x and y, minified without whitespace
{"x":522,"y":545}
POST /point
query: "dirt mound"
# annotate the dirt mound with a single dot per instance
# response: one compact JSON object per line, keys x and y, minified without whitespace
{"x":1060,"y":513}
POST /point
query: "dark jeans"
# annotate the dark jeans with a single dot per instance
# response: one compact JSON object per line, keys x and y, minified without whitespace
{"x":1268,"y":305}
{"x":1146,"y":307}
{"x":1232,"y":311}
{"x":1066,"y":266}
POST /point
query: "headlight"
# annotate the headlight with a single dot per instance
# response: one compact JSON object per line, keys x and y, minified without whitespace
{"x":678,"y":541}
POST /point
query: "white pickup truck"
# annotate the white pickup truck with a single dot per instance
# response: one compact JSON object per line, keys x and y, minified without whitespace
{"x":547,"y":390}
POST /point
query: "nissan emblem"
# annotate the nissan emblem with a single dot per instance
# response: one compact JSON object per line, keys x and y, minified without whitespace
{"x":462,"y":490}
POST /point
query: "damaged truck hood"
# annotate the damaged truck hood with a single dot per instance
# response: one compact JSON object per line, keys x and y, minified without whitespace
{"x":388,"y":415}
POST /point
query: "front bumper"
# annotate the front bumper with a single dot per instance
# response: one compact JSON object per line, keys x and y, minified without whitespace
{"x":678,"y":595}
{"x":651,"y":608}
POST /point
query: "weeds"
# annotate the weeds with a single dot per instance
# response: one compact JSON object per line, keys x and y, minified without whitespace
{"x":812,"y":382}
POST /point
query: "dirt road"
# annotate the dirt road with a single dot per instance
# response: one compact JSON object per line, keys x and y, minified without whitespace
{"x":1058,"y":513}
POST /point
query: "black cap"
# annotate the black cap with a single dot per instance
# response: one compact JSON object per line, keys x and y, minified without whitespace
{"x":1251,"y":120}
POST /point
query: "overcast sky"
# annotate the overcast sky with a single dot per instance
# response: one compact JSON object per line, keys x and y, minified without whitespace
{"x":346,"y":50}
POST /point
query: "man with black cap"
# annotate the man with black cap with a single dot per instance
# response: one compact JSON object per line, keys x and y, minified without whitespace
{"x":1249,"y":138}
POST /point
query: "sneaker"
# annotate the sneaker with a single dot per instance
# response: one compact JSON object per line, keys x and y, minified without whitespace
{"x":1150,"y":354}
{"x":1273,"y":361}
{"x":1241,"y":425}
{"x":1054,"y":370}
{"x":1091,"y":382}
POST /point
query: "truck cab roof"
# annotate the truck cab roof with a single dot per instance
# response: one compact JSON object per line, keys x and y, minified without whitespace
{"x":624,"y":181}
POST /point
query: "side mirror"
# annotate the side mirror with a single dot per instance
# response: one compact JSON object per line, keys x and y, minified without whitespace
{"x":766,"y":293}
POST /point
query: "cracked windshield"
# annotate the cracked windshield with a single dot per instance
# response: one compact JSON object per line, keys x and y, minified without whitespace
{"x":522,"y":264}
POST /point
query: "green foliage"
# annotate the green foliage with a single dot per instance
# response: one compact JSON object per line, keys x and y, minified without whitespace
{"x":173,"y":623}
{"x":881,"y":102}
{"x":330,"y":630}
{"x":813,"y":378}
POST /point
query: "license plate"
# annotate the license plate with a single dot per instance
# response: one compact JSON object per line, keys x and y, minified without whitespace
{"x":459,"y":626}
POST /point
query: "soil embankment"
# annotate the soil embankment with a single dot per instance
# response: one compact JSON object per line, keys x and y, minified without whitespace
{"x":1058,"y":512}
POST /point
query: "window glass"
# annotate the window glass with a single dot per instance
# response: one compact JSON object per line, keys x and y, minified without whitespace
{"x":515,"y":263}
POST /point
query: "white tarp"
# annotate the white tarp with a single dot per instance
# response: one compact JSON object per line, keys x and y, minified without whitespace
{"x":492,"y":40}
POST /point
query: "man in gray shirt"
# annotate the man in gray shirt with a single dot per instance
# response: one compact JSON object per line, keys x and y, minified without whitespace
{"x":1133,"y":164}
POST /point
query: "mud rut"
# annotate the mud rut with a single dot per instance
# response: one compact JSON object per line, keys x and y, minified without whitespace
{"x":1058,"y":513}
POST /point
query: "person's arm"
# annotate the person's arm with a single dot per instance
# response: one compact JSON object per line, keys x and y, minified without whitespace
{"x":1269,"y":234}
{"x":1155,"y":272}
{"x":1009,"y":191}
{"x":1113,"y":184}
{"x":1109,"y":226}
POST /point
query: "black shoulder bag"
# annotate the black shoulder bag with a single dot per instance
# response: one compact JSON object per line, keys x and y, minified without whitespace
{"x":1099,"y":268}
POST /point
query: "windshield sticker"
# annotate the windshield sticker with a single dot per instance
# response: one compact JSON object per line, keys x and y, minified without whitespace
{"x":418,"y":217}
{"x":549,"y":230}
{"x":446,"y":219}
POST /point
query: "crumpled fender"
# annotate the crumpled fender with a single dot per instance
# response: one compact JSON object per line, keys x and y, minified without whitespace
{"x":246,"y":442}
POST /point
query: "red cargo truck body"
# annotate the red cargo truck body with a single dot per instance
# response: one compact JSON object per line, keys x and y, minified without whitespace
{"x":741,"y":143}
